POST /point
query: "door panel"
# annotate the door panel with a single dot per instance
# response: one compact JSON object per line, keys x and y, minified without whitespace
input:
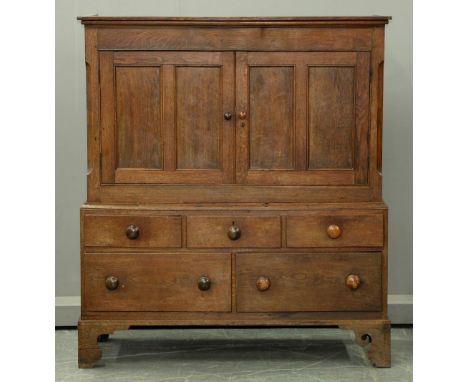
{"x":138,"y":117}
{"x":272,"y":129}
{"x":307,"y":118}
{"x":165,"y":124}
{"x":198,"y":117}
{"x":331,"y":117}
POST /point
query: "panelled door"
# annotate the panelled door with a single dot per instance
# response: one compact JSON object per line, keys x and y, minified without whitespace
{"x":162,"y":117}
{"x":302,"y":118}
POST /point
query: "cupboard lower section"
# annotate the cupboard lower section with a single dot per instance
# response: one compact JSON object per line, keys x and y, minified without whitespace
{"x":277,"y":265}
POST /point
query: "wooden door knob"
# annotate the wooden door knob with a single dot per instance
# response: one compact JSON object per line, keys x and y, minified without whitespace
{"x":242,"y":115}
{"x":333,"y":231}
{"x":263,"y":283}
{"x":353,"y":282}
{"x":132,"y":232}
{"x":204,"y":283}
{"x":234,"y":232}
{"x":112,"y":282}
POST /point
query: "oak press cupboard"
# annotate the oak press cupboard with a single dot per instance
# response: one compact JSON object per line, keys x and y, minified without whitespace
{"x":234,"y":176}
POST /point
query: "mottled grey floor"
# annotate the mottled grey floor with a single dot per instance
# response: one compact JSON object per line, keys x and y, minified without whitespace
{"x":190,"y":355}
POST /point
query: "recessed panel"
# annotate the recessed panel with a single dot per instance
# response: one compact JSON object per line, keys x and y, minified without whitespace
{"x":331,"y":117}
{"x":138,"y":117}
{"x":271,"y":107}
{"x":198,"y":117}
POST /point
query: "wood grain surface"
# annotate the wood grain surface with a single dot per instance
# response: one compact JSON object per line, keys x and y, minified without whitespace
{"x":212,"y":231}
{"x":158,"y":282}
{"x":356,"y":230}
{"x":302,"y":282}
{"x":154,"y":231}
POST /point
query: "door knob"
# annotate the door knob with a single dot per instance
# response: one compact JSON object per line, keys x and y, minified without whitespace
{"x":234,"y":232}
{"x":204,"y":283}
{"x":333,"y":231}
{"x":132,"y":232}
{"x":112,"y":282}
{"x":242,"y":115}
{"x":263,"y":283}
{"x":353,"y":282}
{"x":227,"y":116}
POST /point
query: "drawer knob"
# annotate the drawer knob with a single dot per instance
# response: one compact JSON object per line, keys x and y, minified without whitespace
{"x":112,"y":282}
{"x":227,"y":116}
{"x":242,"y":115}
{"x":132,"y":232}
{"x":263,"y":283}
{"x":204,"y":283}
{"x":234,"y":232}
{"x":353,"y":282}
{"x":333,"y":231}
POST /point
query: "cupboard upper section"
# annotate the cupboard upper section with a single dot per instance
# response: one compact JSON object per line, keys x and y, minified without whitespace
{"x":262,"y":118}
{"x":235,"y":102}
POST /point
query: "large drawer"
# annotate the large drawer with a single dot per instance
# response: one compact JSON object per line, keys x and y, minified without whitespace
{"x":157,"y":282}
{"x":304,"y":282}
{"x":335,"y":230}
{"x":133,"y":231}
{"x":233,"y":231}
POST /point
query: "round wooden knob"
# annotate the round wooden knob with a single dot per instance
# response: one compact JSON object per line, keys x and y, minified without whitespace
{"x":112,"y":282}
{"x":234,"y":232}
{"x":353,"y":282}
{"x":204,"y":283}
{"x":263,"y":283}
{"x":242,"y":115}
{"x":132,"y":232}
{"x":333,"y":231}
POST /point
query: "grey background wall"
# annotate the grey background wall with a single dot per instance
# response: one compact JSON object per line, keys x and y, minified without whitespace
{"x":71,"y":123}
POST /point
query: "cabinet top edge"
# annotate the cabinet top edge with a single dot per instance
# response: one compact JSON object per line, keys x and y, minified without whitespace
{"x":318,"y":21}
{"x":233,"y":207}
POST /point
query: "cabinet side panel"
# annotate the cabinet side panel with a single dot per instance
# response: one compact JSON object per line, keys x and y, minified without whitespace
{"x":93,"y":114}
{"x":376,"y":112}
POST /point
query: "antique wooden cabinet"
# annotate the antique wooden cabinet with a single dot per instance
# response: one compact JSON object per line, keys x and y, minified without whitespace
{"x":234,"y":176}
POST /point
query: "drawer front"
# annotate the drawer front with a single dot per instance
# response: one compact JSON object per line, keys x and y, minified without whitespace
{"x":335,"y":231}
{"x":133,"y":231}
{"x":304,"y":282}
{"x":233,"y":231}
{"x":157,"y":282}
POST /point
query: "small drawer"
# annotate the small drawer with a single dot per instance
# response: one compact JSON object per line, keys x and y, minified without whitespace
{"x":170,"y":282}
{"x":304,"y":282}
{"x":133,"y":231}
{"x":335,"y":230}
{"x":233,"y":231}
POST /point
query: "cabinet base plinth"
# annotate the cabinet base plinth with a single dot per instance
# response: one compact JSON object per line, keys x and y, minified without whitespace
{"x":89,"y":334}
{"x":371,"y":334}
{"x":376,"y":338}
